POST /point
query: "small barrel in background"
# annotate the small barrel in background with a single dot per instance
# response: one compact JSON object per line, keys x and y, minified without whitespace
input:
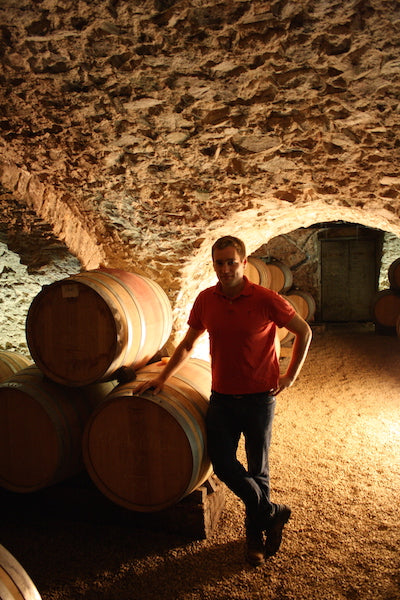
{"x":286,"y":336}
{"x":82,"y":329}
{"x":386,"y":308}
{"x":41,"y":429}
{"x":281,"y":277}
{"x":304,"y":303}
{"x":251,"y":272}
{"x":15,"y":583}
{"x":394,"y":274}
{"x":11,"y":363}
{"x":257,"y":271}
{"x":147,"y":452}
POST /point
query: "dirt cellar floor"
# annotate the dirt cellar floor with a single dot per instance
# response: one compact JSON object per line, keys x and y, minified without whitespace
{"x":335,"y":460}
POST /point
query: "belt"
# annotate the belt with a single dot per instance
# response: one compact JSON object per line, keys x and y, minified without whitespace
{"x":243,"y":396}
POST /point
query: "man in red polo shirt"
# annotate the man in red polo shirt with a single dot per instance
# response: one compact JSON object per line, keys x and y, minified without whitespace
{"x":241,"y":320}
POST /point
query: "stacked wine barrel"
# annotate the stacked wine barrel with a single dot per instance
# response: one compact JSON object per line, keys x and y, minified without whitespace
{"x":277,"y":276}
{"x":82,"y":329}
{"x":67,"y":411}
{"x":146,"y":452}
{"x":15,"y":583}
{"x":386,"y":304}
{"x":41,"y":429}
{"x":11,"y":363}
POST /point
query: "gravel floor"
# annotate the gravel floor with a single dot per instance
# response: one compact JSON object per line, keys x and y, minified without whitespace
{"x":335,"y":461}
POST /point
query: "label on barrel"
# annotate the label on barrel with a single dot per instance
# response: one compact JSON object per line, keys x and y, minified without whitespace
{"x":70,"y":290}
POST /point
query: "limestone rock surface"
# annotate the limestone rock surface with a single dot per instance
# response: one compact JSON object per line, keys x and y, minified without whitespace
{"x":132,"y":134}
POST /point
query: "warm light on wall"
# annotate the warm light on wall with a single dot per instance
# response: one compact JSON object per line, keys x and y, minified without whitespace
{"x":202,"y":348}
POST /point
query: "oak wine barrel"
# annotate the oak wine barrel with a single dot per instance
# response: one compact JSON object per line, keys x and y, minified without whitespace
{"x":386,"y":308}
{"x":82,"y":329}
{"x":281,"y":276}
{"x":286,"y":336}
{"x":12,"y":362}
{"x":15,"y":583}
{"x":394,"y":274}
{"x":146,"y":452}
{"x":41,"y":429}
{"x":257,"y":271}
{"x":251,"y":272}
{"x":304,"y":303}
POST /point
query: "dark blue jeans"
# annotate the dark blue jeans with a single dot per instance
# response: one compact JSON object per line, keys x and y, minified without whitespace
{"x":227,"y":418}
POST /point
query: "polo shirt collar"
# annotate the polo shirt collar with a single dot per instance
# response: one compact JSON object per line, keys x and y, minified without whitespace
{"x":246,"y":291}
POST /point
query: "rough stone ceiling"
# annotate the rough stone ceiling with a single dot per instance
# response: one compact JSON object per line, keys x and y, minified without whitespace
{"x":132,"y":133}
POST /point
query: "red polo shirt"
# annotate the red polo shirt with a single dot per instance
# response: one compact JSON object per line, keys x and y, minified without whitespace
{"x":242,"y":335}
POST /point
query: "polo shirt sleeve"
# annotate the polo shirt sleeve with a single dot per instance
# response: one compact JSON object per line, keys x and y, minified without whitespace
{"x":195,"y":317}
{"x":281,"y":311}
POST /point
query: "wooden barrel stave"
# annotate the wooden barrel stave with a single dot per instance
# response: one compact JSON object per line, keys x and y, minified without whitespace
{"x":252,"y":272}
{"x":147,"y":452}
{"x":258,"y":271}
{"x":11,"y":363}
{"x":15,"y":583}
{"x":386,"y":308}
{"x":155,"y":316}
{"x":304,"y":303}
{"x":194,"y":401}
{"x":281,"y":277}
{"x":286,"y":336}
{"x":84,"y":328}
{"x":41,"y":429}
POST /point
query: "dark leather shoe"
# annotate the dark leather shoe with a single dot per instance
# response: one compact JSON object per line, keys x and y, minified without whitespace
{"x":254,"y":546}
{"x":275,"y":527}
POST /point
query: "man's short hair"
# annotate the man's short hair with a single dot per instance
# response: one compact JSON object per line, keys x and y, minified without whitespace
{"x":230,"y":240}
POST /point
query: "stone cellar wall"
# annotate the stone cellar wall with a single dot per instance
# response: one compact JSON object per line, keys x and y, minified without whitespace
{"x":133,"y":134}
{"x":298,"y":249}
{"x":18,"y":287}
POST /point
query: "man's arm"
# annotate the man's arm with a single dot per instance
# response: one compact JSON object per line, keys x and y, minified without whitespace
{"x":181,"y":354}
{"x":303,"y":335}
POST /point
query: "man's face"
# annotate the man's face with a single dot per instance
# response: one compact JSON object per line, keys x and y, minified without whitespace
{"x":228,"y":266}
